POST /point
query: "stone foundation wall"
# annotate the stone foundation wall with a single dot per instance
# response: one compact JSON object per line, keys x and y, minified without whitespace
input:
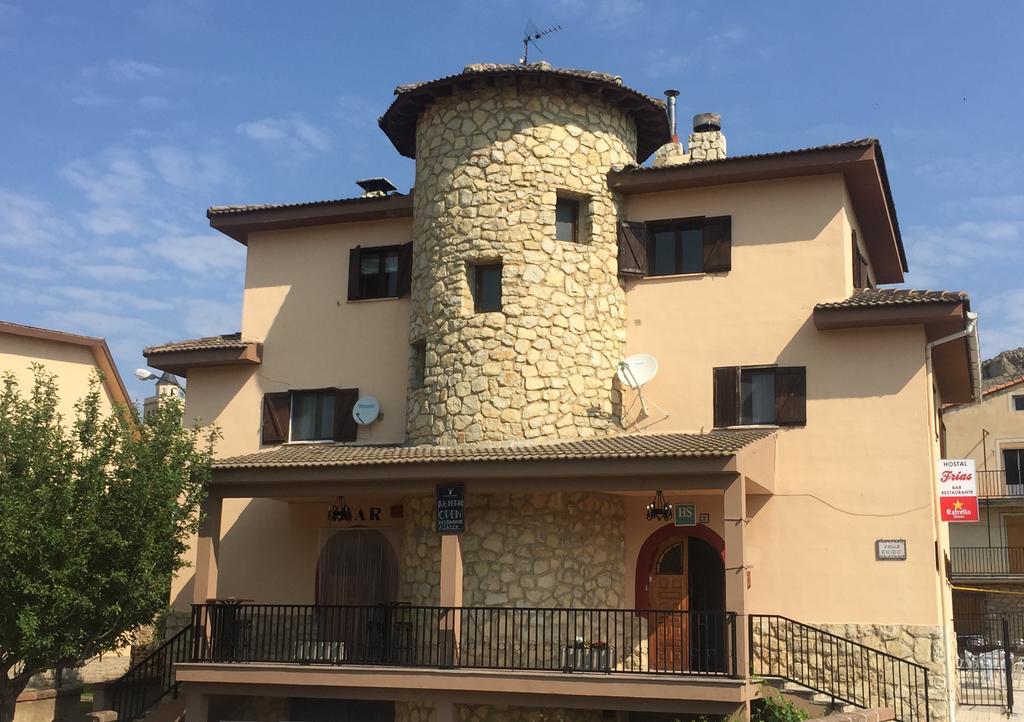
{"x":491,"y":163}
{"x":920,"y":644}
{"x":541,"y":550}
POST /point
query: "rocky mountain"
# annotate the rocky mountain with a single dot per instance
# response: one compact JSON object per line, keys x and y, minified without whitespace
{"x":1003,"y":367}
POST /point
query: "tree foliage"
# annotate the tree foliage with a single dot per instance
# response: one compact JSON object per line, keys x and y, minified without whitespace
{"x":95,"y":514}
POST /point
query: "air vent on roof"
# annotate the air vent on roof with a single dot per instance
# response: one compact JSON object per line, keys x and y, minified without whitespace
{"x":375,"y":187}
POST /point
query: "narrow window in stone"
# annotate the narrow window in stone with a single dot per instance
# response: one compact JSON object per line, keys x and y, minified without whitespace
{"x":567,"y":220}
{"x":419,"y":363}
{"x":486,"y":285}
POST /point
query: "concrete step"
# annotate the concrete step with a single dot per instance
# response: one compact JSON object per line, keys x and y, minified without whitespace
{"x":168,"y":709}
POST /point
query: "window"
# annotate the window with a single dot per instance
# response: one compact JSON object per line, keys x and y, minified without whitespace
{"x":379,"y":272}
{"x":671,"y":560}
{"x":485,"y":283}
{"x":419,"y":363}
{"x":1018,"y":403}
{"x":567,"y":220}
{"x":684,"y":245}
{"x":1013,"y":462}
{"x":861,"y":278}
{"x":314,"y":415}
{"x":760,"y":395}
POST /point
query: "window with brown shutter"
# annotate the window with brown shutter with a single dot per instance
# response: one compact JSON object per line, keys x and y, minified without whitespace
{"x":727,"y":397}
{"x":345,"y":426}
{"x":276,"y":415}
{"x":760,"y":395}
{"x":689,"y":245}
{"x":632,"y":249}
{"x":379,"y":272}
{"x":861,"y":277}
{"x":717,"y":244}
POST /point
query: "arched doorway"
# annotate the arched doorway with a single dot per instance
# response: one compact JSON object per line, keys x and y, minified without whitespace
{"x":681,"y":580}
{"x":356,"y":590}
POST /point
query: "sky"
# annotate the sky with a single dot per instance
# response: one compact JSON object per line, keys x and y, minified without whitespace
{"x":121,"y":122}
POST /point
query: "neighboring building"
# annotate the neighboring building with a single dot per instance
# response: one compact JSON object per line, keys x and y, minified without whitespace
{"x":74,"y":360}
{"x":987,"y":559}
{"x":167,"y":387}
{"x":795,"y":409}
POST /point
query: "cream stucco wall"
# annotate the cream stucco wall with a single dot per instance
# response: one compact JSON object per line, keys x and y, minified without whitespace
{"x":845,"y":479}
{"x":966,"y":426}
{"x":73,"y":365}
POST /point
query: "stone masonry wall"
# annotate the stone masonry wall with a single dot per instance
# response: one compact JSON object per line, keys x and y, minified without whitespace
{"x":920,"y":644}
{"x":490,"y":165}
{"x":543,"y":550}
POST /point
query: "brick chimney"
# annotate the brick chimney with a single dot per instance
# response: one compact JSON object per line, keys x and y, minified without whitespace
{"x":707,"y":141}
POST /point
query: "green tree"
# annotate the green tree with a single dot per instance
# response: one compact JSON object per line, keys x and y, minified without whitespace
{"x":95,"y":514}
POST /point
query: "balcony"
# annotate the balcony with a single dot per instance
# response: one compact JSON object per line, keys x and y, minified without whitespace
{"x":986,"y":562}
{"x":559,"y":641}
{"x":1000,"y":484}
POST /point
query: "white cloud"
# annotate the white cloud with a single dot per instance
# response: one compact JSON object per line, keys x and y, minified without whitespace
{"x":203,"y":254}
{"x":117,"y":273}
{"x":1007,"y":204}
{"x":292,"y":133}
{"x":30,"y":273}
{"x":30,"y":223}
{"x":665,"y":62}
{"x":117,"y":177}
{"x":152,"y":102}
{"x":125,"y":71}
{"x":109,"y":220}
{"x":205,"y":317}
{"x":185,"y":169}
{"x":112,"y":300}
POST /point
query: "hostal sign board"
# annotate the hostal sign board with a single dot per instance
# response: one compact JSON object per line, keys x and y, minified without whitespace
{"x":958,"y":490}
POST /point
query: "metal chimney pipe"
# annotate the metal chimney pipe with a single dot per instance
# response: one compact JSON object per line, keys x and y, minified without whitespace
{"x":671,"y":95}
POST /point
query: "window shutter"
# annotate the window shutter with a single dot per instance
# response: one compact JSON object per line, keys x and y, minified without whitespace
{"x":790,"y":395}
{"x":345,"y":425}
{"x":727,"y":396}
{"x":405,"y":269}
{"x":717,"y":244}
{"x":632,"y":249}
{"x":353,"y":274}
{"x":277,"y":409}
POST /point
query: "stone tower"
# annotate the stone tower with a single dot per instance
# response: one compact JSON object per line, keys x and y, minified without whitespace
{"x":496,"y":148}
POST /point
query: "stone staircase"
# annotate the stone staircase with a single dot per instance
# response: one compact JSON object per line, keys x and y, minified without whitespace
{"x":815,"y":704}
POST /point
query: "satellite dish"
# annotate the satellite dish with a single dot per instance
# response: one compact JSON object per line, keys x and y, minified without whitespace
{"x":366,"y":410}
{"x":637,"y":370}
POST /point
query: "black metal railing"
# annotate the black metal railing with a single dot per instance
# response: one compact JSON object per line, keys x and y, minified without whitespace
{"x":1000,"y":483}
{"x":988,"y":648}
{"x":539,"y":639}
{"x":847,"y":671}
{"x":152,"y":678}
{"x":986,"y":561}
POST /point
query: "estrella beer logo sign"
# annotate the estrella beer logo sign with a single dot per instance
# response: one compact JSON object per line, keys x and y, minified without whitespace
{"x":958,"y":490}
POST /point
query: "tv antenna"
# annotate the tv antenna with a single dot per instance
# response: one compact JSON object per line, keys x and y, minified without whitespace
{"x":531,"y":34}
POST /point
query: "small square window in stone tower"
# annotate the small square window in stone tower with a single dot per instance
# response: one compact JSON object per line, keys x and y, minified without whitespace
{"x":567,"y":220}
{"x":485,"y":283}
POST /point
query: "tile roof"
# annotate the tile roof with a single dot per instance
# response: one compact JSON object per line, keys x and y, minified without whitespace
{"x":992,"y":386}
{"x":858,"y":143}
{"x":721,"y":443}
{"x":399,"y":120}
{"x":879,"y":297}
{"x":249,"y":207}
{"x":227,"y":340}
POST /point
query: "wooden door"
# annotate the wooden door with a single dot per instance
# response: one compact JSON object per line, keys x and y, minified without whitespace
{"x":668,"y":590}
{"x":1015,"y":542}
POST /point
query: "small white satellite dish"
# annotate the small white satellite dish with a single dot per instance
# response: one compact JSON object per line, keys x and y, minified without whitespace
{"x":366,"y":410}
{"x":637,"y":370}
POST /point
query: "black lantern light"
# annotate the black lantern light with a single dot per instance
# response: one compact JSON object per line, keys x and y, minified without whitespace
{"x":339,"y":511}
{"x":659,"y":509}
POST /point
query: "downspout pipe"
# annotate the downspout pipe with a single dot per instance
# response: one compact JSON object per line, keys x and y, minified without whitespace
{"x":970,"y":332}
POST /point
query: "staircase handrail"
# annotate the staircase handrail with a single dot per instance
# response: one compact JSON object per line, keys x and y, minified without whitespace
{"x":131,"y":695}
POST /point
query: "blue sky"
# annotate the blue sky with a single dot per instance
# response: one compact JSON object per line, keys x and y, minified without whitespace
{"x":123,"y":121}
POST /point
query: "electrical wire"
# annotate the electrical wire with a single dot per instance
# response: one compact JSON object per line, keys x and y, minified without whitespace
{"x":855,"y":513}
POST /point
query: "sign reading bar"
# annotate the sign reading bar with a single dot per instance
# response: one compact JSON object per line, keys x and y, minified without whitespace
{"x":451,"y":509}
{"x":958,"y":490}
{"x":685,"y":515}
{"x":891,"y":550}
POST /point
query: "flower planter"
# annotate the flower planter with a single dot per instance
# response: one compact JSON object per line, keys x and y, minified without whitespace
{"x":588,"y":660}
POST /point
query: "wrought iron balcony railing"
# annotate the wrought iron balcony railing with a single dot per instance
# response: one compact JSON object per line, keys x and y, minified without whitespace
{"x":1000,"y":483}
{"x":986,"y":561}
{"x":536,"y":639}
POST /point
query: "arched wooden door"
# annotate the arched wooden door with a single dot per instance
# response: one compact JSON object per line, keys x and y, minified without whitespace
{"x":669,"y":594}
{"x":356,"y":589}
